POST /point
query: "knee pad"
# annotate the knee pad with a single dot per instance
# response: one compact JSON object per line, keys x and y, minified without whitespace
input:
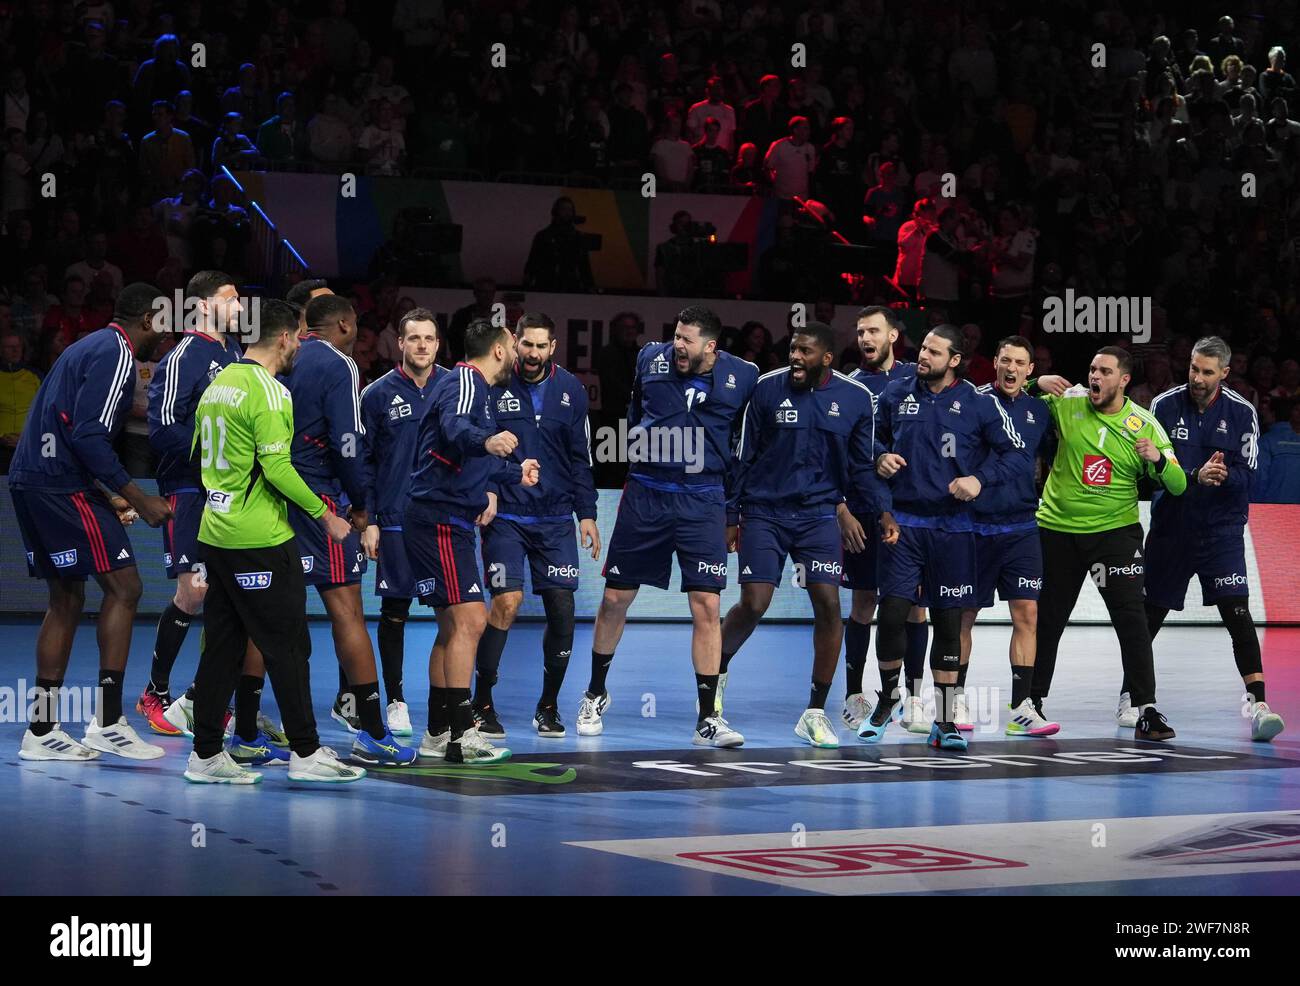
{"x":559,"y":610}
{"x":1241,"y":628}
{"x":395,"y":610}
{"x":945,"y":651}
{"x":893,"y":610}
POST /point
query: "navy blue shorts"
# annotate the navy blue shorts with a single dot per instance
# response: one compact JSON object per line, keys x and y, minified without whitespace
{"x":1012,"y":563}
{"x":812,"y":542}
{"x":326,"y":562}
{"x":652,"y":524}
{"x":440,"y":550}
{"x":393,"y":578}
{"x":942,"y":563}
{"x":181,"y":533}
{"x":860,"y":569}
{"x":551,"y":547}
{"x":1219,"y":562}
{"x":70,"y":535}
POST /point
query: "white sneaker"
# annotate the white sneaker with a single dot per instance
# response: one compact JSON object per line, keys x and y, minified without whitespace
{"x":716,"y":731}
{"x":1025,"y":721}
{"x":1264,"y":723}
{"x":961,"y":714}
{"x":54,"y":745}
{"x":590,"y":713}
{"x":399,"y":719}
{"x":219,"y":769}
{"x":473,"y":750}
{"x":717,"y":699}
{"x":120,"y":739}
{"x":1125,"y":715}
{"x":914,"y":719}
{"x":856,"y":710}
{"x":323,"y":767}
{"x":816,"y":728}
{"x":181,"y":715}
{"x":434,"y":747}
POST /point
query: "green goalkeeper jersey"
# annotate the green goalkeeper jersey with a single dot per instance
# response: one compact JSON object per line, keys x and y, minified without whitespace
{"x":1093,"y":483}
{"x":244,"y":425}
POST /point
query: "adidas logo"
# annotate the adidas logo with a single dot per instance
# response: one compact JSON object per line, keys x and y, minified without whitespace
{"x":474,"y":587}
{"x":214,"y":365}
{"x":746,"y":571}
{"x":615,"y":571}
{"x":785,"y":403}
{"x":106,"y":681}
{"x":383,"y":584}
{"x":123,"y":555}
{"x":397,"y":399}
{"x":1180,"y":421}
{"x":909,"y":399}
{"x":507,"y":396}
{"x":184,"y":560}
{"x":1138,"y":553}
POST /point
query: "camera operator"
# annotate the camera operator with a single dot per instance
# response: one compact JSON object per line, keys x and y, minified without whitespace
{"x":558,"y":259}
{"x":687,"y":265}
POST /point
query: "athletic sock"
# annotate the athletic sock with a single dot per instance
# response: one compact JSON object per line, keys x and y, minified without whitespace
{"x":45,"y":707}
{"x":944,"y":696}
{"x":888,"y":684}
{"x":461,"y":712}
{"x":599,"y":669}
{"x":707,"y":687}
{"x":1022,"y":681}
{"x":820,"y":690}
{"x":1256,"y":690}
{"x":248,"y":699}
{"x":438,"y":721}
{"x":918,"y":637}
{"x":110,"y":690}
{"x":726,"y":662}
{"x":343,"y":682}
{"x":392,"y":652}
{"x":555,"y":664}
{"x":173,"y":625}
{"x":367,"y":705}
{"x":857,"y":641}
{"x":961,"y":678}
{"x":486,"y":663}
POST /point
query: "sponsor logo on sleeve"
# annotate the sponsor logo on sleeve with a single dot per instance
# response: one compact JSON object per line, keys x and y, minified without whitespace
{"x":219,"y":502}
{"x":308,"y":563}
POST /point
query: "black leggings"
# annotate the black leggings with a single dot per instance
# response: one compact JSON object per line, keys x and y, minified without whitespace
{"x":1235,"y":614}
{"x":1114,"y":561}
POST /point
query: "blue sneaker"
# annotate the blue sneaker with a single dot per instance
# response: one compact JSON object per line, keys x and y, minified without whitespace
{"x":259,"y":752}
{"x":873,"y":727}
{"x":386,"y":752}
{"x":945,"y":736}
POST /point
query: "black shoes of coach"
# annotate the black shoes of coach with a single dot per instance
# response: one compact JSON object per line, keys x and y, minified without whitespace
{"x":487,"y":723}
{"x":547,"y":722}
{"x":1152,"y":726}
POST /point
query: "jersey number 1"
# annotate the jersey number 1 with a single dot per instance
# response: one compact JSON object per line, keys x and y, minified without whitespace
{"x":205,"y":436}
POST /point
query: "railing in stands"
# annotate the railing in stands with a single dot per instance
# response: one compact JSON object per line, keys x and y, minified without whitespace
{"x":273,"y":262}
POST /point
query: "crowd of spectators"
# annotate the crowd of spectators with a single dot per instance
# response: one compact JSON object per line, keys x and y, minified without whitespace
{"x":986,"y":157}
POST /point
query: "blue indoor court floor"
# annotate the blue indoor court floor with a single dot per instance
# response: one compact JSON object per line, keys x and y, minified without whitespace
{"x":639,"y":810}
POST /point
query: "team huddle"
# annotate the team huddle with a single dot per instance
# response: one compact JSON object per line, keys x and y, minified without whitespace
{"x":903,"y":483}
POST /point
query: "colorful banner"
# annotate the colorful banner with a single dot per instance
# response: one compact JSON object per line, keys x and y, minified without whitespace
{"x":337,"y":223}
